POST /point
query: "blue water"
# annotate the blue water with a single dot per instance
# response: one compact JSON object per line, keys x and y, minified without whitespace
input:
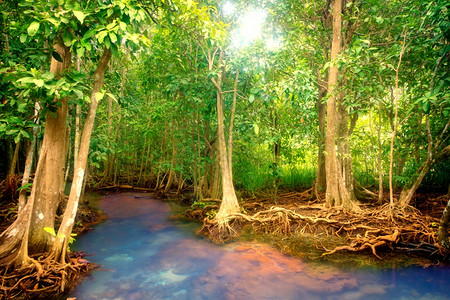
{"x":143,"y":255}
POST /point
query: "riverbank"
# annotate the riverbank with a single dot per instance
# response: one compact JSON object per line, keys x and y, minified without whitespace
{"x":305,"y":228}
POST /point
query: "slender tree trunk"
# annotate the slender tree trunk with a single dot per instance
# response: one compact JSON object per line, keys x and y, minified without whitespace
{"x":29,"y":158}
{"x":380,"y":156}
{"x":172,"y":165}
{"x":229,"y":204}
{"x":12,"y":170}
{"x":443,"y":226}
{"x":76,"y":143}
{"x":321,"y":182}
{"x":395,"y":124}
{"x":68,"y":154}
{"x":60,"y":244}
{"x":343,"y":146}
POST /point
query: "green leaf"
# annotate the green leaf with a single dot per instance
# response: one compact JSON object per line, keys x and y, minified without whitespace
{"x":50,"y":230}
{"x":24,"y":187}
{"x":80,"y":51}
{"x":23,"y":38}
{"x":38,"y":82}
{"x":33,"y":28}
{"x":56,"y":56}
{"x":113,"y":37}
{"x":67,"y":38}
{"x":112,"y":96}
{"x":101,"y":36}
{"x":256,"y":128}
{"x":88,"y":34}
{"x":25,"y":134}
{"x":251,"y":98}
{"x":426,"y":107}
{"x":99,"y":96}
{"x":80,"y":15}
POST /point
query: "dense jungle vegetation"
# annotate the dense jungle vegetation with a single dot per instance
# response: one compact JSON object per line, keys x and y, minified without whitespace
{"x":347,"y":100}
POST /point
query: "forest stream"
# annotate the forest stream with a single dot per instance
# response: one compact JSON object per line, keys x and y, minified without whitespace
{"x":144,"y":255}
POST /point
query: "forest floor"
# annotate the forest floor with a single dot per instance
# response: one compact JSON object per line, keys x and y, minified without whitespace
{"x":301,"y":227}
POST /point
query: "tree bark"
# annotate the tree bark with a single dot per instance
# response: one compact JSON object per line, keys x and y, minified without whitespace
{"x":60,"y":244}
{"x":229,"y":204}
{"x":336,"y":192}
{"x":443,"y":226}
{"x":29,"y":159}
{"x":47,"y":186}
{"x":321,"y":182}
{"x":12,"y":170}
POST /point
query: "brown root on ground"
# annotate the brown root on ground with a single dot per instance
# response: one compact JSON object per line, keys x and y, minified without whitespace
{"x":43,"y":278}
{"x":370,"y":228}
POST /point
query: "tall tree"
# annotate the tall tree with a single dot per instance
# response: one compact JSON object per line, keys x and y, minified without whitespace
{"x":337,"y":194}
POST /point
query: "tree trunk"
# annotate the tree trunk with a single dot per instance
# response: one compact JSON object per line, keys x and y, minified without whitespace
{"x":321,"y":182}
{"x":14,"y":240}
{"x":380,"y":157}
{"x":336,"y":192}
{"x":215,"y":188}
{"x":229,"y":204}
{"x":408,"y":193}
{"x":29,"y":159}
{"x":67,"y":222}
{"x":172,"y":165}
{"x":76,"y":146}
{"x":47,"y":186}
{"x":443,"y":225}
{"x":343,"y":146}
{"x":12,"y":170}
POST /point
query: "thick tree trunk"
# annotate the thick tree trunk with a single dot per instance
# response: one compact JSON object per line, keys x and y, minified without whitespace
{"x":60,"y":244}
{"x":47,"y":186}
{"x":215,"y":185}
{"x":14,"y":240}
{"x":336,"y":193}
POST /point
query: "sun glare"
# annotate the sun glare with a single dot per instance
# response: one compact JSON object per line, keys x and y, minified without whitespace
{"x":250,"y":28}
{"x":228,"y":8}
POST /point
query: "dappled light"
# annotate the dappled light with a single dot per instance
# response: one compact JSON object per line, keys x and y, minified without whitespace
{"x":243,"y":149}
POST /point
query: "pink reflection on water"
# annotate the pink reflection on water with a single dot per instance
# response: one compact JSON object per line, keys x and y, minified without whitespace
{"x":252,"y":270}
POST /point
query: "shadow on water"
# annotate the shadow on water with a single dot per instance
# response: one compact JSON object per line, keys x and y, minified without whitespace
{"x":143,"y":255}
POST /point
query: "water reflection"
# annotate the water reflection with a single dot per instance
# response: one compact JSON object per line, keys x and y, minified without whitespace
{"x":145,"y":256}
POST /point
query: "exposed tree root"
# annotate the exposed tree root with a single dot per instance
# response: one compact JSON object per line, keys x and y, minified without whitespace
{"x":44,"y":277}
{"x":367,"y":229}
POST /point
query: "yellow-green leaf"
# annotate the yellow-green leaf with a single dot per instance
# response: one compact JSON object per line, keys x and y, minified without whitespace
{"x":79,"y":15}
{"x":33,"y":28}
{"x":38,"y":82}
{"x":99,"y":96}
